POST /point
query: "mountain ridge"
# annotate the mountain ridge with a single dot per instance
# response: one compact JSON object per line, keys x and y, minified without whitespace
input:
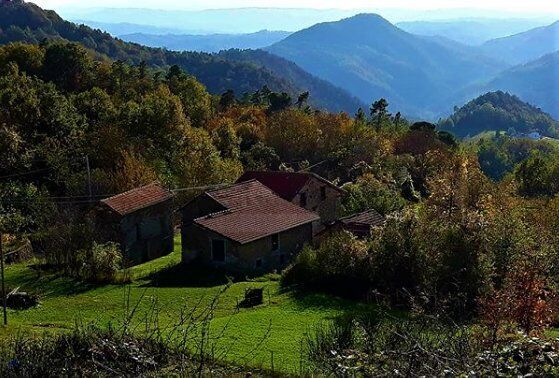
{"x":371,"y":58}
{"x":210,"y":43}
{"x":526,"y":46}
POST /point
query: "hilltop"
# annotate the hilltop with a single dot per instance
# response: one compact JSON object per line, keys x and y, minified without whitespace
{"x":499,"y":111}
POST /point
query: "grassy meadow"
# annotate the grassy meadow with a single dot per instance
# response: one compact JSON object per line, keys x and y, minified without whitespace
{"x":271,"y":335}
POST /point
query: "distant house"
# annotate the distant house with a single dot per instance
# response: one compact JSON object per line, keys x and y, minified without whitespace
{"x":140,"y":221}
{"x":358,"y":224}
{"x":534,"y":135}
{"x":245,"y":227}
{"x":303,"y":189}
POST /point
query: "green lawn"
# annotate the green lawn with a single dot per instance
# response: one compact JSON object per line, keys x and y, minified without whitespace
{"x":270,"y":334}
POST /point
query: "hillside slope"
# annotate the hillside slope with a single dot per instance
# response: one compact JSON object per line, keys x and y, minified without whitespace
{"x":334,"y":98}
{"x":499,"y":111}
{"x":536,"y":82}
{"x":27,"y":22}
{"x":371,"y":58}
{"x":525,"y":47}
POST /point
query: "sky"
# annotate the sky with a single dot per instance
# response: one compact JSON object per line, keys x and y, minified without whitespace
{"x":531,"y":6}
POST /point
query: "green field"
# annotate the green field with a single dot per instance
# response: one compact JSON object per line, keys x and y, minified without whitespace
{"x":269,"y":335}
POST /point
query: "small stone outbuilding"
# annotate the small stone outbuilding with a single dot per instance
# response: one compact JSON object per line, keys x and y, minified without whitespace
{"x":140,"y":221}
{"x":245,"y":227}
{"x":360,"y":225}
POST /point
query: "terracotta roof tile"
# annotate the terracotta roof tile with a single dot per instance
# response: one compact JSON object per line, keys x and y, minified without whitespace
{"x":139,"y":198}
{"x":285,"y":184}
{"x":253,"y":212}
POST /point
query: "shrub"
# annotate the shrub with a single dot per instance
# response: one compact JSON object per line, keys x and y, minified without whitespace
{"x":423,"y":346}
{"x":100,"y":263}
{"x":340,"y":265}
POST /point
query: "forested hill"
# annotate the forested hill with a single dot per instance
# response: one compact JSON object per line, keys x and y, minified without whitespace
{"x":333,"y":98}
{"x":499,"y":111}
{"x":371,"y":58}
{"x":27,"y":22}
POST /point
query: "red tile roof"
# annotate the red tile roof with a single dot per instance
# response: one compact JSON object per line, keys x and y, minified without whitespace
{"x":137,"y":199}
{"x":286,"y":184}
{"x":253,"y":212}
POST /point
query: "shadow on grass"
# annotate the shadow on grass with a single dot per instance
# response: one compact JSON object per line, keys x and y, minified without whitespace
{"x":37,"y":279}
{"x":317,"y":299}
{"x":196,"y":274}
{"x":192,"y":275}
{"x":322,"y":301}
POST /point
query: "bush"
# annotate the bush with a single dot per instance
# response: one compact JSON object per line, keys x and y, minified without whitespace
{"x":58,"y":243}
{"x":367,"y":346}
{"x":391,"y":265}
{"x":340,"y":265}
{"x":100,"y":263}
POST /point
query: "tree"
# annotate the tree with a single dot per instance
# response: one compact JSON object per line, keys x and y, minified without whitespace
{"x":195,"y":99}
{"x":360,"y":116}
{"x":379,"y":109}
{"x":302,"y":100}
{"x":227,"y":100}
{"x":397,"y":119}
{"x":279,"y":101}
{"x":67,"y":65}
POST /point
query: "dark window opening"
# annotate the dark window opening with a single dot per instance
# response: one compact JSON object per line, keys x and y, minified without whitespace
{"x":282,"y":259}
{"x":139,"y":231}
{"x":323,"y":193}
{"x":218,"y":250}
{"x":303,"y":199}
{"x":275,"y":242}
{"x":259,"y":263}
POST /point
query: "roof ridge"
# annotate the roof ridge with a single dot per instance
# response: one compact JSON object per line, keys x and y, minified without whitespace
{"x":138,"y":198}
{"x":215,"y":214}
{"x":133,"y":190}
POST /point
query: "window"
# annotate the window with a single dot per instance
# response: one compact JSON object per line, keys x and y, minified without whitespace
{"x":218,"y":250}
{"x":323,"y":193}
{"x":258,"y":263}
{"x":275,"y":243}
{"x":282,"y":259}
{"x":303,"y":199}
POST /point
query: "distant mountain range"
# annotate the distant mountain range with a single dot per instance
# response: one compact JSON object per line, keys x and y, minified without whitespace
{"x":27,"y":22}
{"x":472,"y":32}
{"x":371,"y":58}
{"x":250,"y":20}
{"x":212,"y":21}
{"x":526,"y":46}
{"x":208,"y":43}
{"x":122,"y":28}
{"x":344,"y":64}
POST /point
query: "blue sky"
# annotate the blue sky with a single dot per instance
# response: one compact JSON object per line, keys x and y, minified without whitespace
{"x":531,"y":6}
